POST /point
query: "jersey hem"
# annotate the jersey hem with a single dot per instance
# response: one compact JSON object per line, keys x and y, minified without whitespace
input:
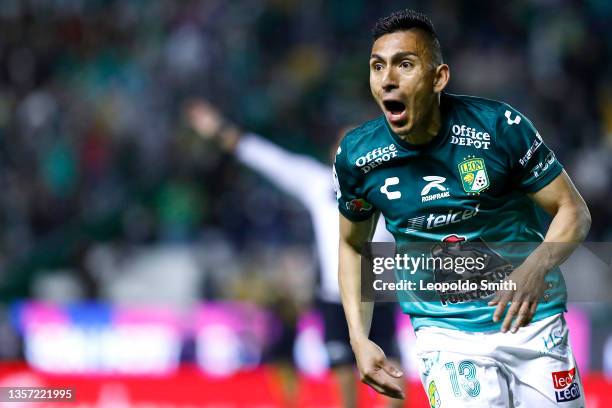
{"x":442,"y":322}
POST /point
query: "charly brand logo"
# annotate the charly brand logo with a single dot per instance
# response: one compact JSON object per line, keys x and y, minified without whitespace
{"x":566,"y":389}
{"x":437,"y":183}
{"x":375,"y":158}
{"x":468,"y":136}
{"x":391,"y":195}
{"x":515,"y":121}
{"x":473,"y":174}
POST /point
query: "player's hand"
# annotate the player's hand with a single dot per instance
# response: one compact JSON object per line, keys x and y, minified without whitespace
{"x":204,"y":118}
{"x":530,"y":287}
{"x":375,"y":370}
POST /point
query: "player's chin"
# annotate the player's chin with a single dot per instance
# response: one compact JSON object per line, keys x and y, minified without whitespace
{"x":400,"y":128}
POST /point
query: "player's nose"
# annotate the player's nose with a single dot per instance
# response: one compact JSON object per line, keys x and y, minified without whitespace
{"x":389,"y":80}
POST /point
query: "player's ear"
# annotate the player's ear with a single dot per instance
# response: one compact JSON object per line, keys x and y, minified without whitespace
{"x":441,"y":77}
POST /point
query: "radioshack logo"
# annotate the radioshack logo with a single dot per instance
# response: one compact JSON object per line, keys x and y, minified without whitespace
{"x":376,"y":157}
{"x":566,"y":389}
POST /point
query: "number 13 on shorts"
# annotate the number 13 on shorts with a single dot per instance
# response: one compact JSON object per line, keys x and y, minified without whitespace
{"x":466,"y":370}
{"x":461,"y":382}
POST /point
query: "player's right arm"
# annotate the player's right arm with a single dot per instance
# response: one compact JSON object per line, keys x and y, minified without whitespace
{"x":357,"y":223}
{"x":374,"y":368}
{"x":353,"y":235}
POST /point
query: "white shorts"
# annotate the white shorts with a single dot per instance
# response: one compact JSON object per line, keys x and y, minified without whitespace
{"x":534,"y":367}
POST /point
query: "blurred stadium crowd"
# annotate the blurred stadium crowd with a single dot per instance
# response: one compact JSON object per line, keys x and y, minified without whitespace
{"x":107,"y":194}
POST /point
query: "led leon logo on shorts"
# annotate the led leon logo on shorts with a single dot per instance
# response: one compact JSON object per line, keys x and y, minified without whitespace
{"x":566,"y":389}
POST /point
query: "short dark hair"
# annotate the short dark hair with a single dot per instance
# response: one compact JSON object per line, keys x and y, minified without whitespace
{"x":402,"y":20}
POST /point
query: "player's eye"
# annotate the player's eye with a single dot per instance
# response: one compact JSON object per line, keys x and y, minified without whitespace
{"x":406,"y":64}
{"x":377,"y":66}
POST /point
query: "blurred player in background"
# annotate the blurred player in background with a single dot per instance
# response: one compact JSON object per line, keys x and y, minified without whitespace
{"x":311,"y":183}
{"x":450,"y":168}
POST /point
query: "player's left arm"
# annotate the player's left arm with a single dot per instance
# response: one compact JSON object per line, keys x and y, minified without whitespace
{"x":571,"y":218}
{"x":535,"y":171}
{"x":569,"y":226}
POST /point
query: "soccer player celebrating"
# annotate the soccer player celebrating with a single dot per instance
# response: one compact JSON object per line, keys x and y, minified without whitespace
{"x":451,"y":168}
{"x":308,"y":181}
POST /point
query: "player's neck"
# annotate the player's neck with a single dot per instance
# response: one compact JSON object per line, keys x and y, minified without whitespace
{"x":428,"y":129}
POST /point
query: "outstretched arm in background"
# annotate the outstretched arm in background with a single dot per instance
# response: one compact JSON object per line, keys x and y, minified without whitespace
{"x":293,"y":173}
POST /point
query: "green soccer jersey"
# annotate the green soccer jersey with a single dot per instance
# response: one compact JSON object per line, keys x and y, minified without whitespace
{"x":469,"y":183}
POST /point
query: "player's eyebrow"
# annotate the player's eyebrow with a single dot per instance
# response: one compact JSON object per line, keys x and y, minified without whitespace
{"x":395,"y":57}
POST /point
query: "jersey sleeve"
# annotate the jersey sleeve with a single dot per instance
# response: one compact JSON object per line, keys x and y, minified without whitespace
{"x":532,"y":164}
{"x":351,"y":203}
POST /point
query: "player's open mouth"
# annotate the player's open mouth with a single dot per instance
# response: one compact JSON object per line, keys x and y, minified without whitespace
{"x":395,"y":111}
